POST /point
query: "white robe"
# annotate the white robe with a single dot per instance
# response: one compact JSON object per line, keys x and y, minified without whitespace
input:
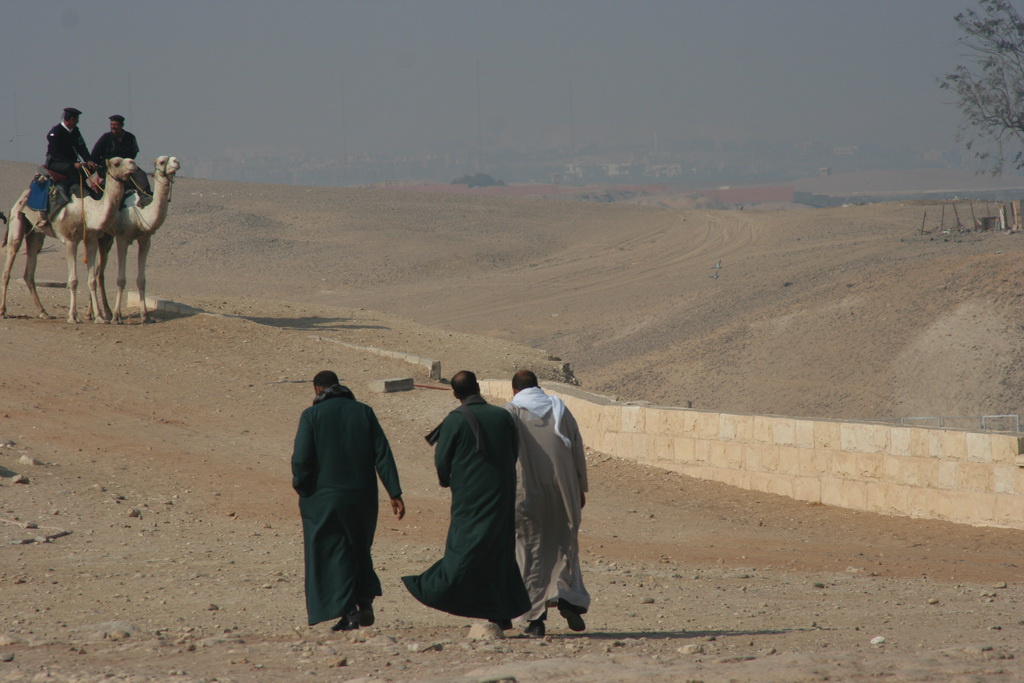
{"x":551,"y":477}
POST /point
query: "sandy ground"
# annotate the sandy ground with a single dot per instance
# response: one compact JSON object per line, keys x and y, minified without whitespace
{"x":163,"y":449}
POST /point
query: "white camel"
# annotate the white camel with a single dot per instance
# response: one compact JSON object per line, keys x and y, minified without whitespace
{"x":81,"y":219}
{"x":137,"y":224}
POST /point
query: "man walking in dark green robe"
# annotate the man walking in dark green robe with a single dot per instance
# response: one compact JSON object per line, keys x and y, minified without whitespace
{"x":340,"y":449}
{"x":476,"y":456}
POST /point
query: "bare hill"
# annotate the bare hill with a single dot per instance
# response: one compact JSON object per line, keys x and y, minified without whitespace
{"x":849,"y":312}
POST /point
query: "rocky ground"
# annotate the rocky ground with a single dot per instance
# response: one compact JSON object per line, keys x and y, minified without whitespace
{"x":148,"y":531}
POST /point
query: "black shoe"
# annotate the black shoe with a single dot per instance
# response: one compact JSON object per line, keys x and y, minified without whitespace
{"x":366,"y":616}
{"x":349,"y":622}
{"x":503,"y":624}
{"x":534,"y":629}
{"x":572,"y":614}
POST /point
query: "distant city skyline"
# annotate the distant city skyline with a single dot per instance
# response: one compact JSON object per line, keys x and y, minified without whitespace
{"x":475,"y":78}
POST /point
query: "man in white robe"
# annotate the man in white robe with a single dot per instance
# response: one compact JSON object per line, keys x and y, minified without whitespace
{"x":551,"y":493}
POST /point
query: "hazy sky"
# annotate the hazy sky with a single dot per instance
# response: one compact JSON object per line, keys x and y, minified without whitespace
{"x":384,"y":76}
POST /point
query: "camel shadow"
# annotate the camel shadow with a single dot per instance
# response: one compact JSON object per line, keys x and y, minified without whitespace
{"x":314,"y":323}
{"x":6,"y":473}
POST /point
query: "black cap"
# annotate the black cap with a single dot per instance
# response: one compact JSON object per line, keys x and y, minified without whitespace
{"x":71,"y":111}
{"x":118,"y":118}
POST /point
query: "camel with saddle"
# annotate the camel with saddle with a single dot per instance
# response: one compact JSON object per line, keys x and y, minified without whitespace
{"x":137,"y":221}
{"x":82,"y":219}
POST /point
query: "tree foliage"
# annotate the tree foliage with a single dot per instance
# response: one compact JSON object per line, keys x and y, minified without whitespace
{"x":990,"y":88}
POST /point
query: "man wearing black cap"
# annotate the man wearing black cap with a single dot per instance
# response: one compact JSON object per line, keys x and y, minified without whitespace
{"x":64,"y":148}
{"x":119,"y":143}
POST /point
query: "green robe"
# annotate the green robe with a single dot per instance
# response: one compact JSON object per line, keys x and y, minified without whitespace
{"x":478,"y":576}
{"x":340,"y":449}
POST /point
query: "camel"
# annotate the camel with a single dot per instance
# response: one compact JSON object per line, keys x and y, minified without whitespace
{"x":81,"y":219}
{"x":137,"y":224}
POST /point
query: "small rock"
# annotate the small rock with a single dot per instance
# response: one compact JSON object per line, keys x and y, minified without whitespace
{"x":692,"y":649}
{"x":878,"y":640}
{"x":7,"y":657}
{"x":1001,"y":584}
{"x":420,"y":647}
{"x":213,"y":607}
{"x":338,"y":663}
{"x":30,"y":525}
{"x":135,"y":512}
{"x":933,"y":601}
{"x":29,"y":460}
{"x":818,"y":584}
{"x":485,"y":631}
{"x":647,"y":601}
{"x":19,"y":479}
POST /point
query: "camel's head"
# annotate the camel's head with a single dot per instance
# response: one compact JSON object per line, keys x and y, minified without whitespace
{"x":166,"y":165}
{"x":120,"y":168}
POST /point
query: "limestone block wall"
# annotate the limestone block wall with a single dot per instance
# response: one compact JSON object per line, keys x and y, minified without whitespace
{"x":967,"y":477}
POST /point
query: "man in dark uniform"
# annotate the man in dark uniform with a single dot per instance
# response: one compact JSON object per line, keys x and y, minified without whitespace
{"x":64,"y":148}
{"x":119,"y":143}
{"x":476,"y":456}
{"x":340,"y":450}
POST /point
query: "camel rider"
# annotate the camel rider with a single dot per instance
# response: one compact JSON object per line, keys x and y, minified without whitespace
{"x":64,"y":148}
{"x":119,"y":143}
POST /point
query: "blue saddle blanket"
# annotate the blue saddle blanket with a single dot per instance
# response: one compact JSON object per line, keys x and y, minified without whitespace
{"x":39,"y":194}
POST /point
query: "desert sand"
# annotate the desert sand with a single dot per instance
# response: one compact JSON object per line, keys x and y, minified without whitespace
{"x":157,"y":537}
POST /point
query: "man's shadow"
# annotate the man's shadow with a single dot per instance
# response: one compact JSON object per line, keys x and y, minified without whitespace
{"x":314,"y":323}
{"x":674,"y":635}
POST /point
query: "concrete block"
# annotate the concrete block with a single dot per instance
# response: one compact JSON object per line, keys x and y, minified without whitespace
{"x":870,"y":466}
{"x":1006,"y":449}
{"x":937,"y":444}
{"x":891,"y":468}
{"x":844,"y":465}
{"x":827,"y":435}
{"x":832,"y":491}
{"x":974,"y":477}
{"x":633,"y":418}
{"x":864,"y":438}
{"x":900,"y":439}
{"x":920,"y":441}
{"x":683,"y":450}
{"x":752,"y":458}
{"x":707,"y":425}
{"x":978,"y":447}
{"x":945,"y":475}
{"x":769,"y":458}
{"x":781,"y":485}
{"x":735,"y":427}
{"x":976,"y":508}
{"x":658,"y":422}
{"x":916,"y":471}
{"x":760,"y":481}
{"x":762,"y":430}
{"x":897,"y":498}
{"x":803,"y":436}
{"x":789,"y":460}
{"x":854,"y":495}
{"x":702,"y":452}
{"x":807,"y":488}
{"x":664,"y":449}
{"x":875,"y":493}
{"x":390,"y":386}
{"x":814,"y":462}
{"x":954,"y":446}
{"x":734,"y":454}
{"x":784,"y":431}
{"x":1007,"y":479}
{"x":1008,"y":511}
{"x":717,"y":456}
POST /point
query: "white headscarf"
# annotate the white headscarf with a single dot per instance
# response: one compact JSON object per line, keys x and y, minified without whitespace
{"x":540,"y":404}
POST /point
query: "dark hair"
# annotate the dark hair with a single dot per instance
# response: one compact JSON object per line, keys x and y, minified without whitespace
{"x":524,"y":379}
{"x":464,"y":384}
{"x":325,"y":378}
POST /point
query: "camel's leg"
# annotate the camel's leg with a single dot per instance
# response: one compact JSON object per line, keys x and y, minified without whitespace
{"x":13,"y":245}
{"x":122,"y":266}
{"x":106,"y":241}
{"x":71,"y":256}
{"x":141,"y":280}
{"x":33,"y":244}
{"x":91,"y":247}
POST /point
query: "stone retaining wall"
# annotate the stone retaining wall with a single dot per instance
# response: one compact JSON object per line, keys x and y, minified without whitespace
{"x":967,"y":477}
